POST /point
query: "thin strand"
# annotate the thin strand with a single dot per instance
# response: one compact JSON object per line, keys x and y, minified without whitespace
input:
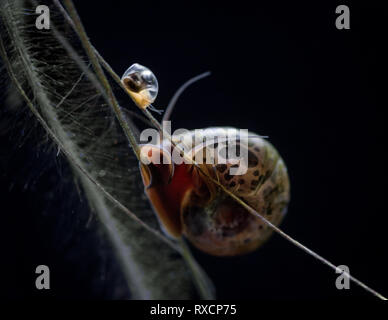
{"x":152,"y":108}
{"x":70,"y":91}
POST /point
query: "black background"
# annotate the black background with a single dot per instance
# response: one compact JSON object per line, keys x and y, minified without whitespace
{"x":279,"y":69}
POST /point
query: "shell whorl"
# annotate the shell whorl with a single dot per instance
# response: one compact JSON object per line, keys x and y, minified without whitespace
{"x":223,"y":227}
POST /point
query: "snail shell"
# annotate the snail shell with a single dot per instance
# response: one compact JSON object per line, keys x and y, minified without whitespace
{"x":141,"y":84}
{"x":189,"y":203}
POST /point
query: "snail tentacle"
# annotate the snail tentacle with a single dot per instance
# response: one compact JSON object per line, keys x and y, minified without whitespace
{"x":183,"y":87}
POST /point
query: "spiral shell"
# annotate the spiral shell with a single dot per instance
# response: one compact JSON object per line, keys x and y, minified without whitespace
{"x":192,"y":205}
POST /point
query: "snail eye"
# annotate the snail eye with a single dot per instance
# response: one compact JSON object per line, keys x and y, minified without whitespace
{"x":141,"y":83}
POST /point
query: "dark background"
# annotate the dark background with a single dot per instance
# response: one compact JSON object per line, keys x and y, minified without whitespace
{"x":281,"y":70}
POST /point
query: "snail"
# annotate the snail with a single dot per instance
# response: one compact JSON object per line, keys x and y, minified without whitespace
{"x":186,"y":200}
{"x":141,"y":84}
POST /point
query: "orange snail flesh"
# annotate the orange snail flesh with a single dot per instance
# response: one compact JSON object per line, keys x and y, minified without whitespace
{"x":189,"y":203}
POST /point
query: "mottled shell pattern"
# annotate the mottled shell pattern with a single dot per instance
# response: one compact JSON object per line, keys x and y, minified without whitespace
{"x":192,"y":205}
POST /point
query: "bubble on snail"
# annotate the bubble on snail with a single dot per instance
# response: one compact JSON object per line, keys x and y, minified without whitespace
{"x":141,"y":84}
